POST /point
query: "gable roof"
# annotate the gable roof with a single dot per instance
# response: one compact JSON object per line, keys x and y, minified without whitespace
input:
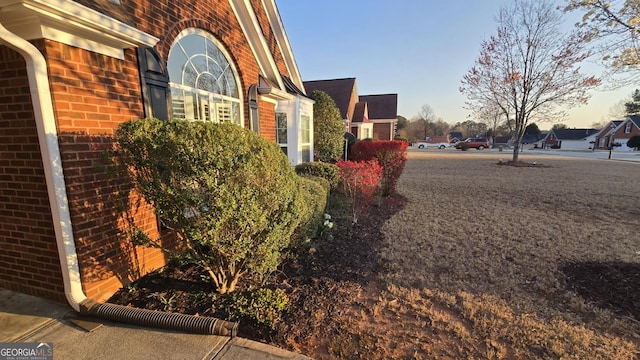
{"x":573,"y":134}
{"x":361,"y":112}
{"x":533,"y":138}
{"x":610,"y":127}
{"x":339,"y":90}
{"x":635,"y":119}
{"x":290,"y":87}
{"x":382,"y":106}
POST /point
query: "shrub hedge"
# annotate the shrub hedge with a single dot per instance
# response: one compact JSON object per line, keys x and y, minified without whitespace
{"x":231,"y":196}
{"x":315,"y":192}
{"x":392,"y":156}
{"x":321,"y":169}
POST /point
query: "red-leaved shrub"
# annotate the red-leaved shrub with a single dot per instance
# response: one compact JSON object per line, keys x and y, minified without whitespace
{"x":392,"y":155}
{"x":360,"y":181}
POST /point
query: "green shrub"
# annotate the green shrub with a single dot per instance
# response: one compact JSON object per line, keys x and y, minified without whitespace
{"x":634,"y":142}
{"x":230,"y":196}
{"x":315,"y":192}
{"x":328,"y":129}
{"x":320,"y":169}
{"x":401,"y":138}
{"x":260,"y":307}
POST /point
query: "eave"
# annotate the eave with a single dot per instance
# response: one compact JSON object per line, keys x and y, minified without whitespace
{"x":70,"y":23}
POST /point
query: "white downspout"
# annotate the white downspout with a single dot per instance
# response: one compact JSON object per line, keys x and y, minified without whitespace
{"x":52,"y":162}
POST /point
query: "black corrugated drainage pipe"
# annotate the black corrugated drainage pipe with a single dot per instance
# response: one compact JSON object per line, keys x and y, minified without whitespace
{"x":158,"y":319}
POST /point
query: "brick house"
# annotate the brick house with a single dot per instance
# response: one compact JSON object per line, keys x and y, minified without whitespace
{"x":366,"y":117}
{"x":569,"y":139}
{"x":71,"y":71}
{"x":619,"y":132}
{"x":383,"y":113}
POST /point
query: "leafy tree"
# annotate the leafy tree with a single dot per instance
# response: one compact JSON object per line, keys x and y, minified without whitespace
{"x":402,"y":122}
{"x":532,"y":129}
{"x":470,"y":128}
{"x":614,"y":26}
{"x":529,"y":68}
{"x":328,"y":129}
{"x":634,"y":142}
{"x":559,"y":126}
{"x":633,"y":107}
{"x":229,"y":195}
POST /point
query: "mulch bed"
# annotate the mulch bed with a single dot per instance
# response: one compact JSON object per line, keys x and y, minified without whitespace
{"x":520,"y":163}
{"x":321,"y":282}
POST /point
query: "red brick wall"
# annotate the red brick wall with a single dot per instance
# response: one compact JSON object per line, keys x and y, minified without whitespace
{"x":620,"y":134}
{"x":269,"y":36}
{"x":92,"y":94}
{"x":29,"y":261}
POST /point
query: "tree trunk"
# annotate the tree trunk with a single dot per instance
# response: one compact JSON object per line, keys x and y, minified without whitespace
{"x":516,"y":151}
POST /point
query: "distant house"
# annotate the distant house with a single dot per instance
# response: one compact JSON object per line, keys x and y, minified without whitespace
{"x":504,"y":141}
{"x":603,"y":139}
{"x":534,"y":139}
{"x":383,"y":113}
{"x":360,"y":126}
{"x":621,"y":134}
{"x":366,"y":117}
{"x":570,"y":139}
{"x":455,"y":136}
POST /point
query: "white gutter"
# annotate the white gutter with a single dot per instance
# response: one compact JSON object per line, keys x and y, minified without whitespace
{"x":52,"y":163}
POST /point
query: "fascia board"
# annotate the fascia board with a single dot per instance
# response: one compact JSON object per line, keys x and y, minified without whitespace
{"x":283,"y":42}
{"x":73,"y":24}
{"x":258,"y":44}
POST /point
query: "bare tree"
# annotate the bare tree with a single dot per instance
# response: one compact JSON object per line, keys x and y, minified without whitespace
{"x":492,"y":115}
{"x":618,"y":110}
{"x":529,"y":68}
{"x":424,"y":125}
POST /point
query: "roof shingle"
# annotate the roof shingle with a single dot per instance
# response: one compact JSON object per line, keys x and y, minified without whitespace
{"x":340,"y":90}
{"x":382,"y":106}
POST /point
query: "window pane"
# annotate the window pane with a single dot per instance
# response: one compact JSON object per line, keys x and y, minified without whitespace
{"x":305,"y":129}
{"x":306,"y":153}
{"x":281,"y":128}
{"x":200,"y":69}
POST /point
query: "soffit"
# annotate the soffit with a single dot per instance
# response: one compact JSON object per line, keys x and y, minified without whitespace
{"x":73,"y":24}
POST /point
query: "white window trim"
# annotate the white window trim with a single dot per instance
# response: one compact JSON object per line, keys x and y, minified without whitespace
{"x":234,"y":71}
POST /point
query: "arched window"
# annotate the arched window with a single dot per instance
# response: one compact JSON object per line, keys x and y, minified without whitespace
{"x":204,"y":82}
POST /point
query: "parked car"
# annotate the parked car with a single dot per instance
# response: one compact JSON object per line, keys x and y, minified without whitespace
{"x":477,"y":143}
{"x":439,"y":142}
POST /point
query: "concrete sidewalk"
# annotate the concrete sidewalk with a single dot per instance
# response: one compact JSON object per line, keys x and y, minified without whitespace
{"x":25,"y":318}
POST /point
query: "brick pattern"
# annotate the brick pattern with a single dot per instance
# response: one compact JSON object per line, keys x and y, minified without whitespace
{"x":621,"y":134}
{"x":29,"y":260}
{"x":92,"y":94}
{"x":270,"y":37}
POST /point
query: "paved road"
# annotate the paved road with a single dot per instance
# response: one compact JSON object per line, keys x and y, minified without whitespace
{"x":633,"y":156}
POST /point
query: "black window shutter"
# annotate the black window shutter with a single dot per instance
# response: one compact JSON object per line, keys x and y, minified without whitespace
{"x":154,"y":81}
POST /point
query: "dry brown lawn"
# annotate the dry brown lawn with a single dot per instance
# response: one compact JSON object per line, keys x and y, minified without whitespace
{"x":488,"y":261}
{"x":472,"y":261}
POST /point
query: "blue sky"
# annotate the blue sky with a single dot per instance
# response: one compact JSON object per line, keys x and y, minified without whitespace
{"x":415,"y":48}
